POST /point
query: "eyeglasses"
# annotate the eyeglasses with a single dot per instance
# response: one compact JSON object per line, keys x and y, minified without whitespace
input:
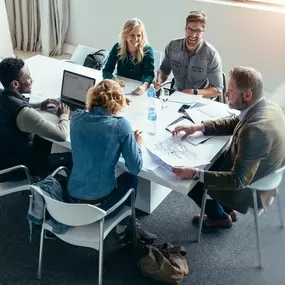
{"x":234,"y":93}
{"x":191,"y":31}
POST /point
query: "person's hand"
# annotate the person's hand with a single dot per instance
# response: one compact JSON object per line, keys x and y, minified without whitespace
{"x":156,"y":84}
{"x":63,"y":109}
{"x":139,"y":91}
{"x":128,"y":101}
{"x":121,"y":82}
{"x":189,"y":130}
{"x":44,"y":104}
{"x":138,"y":137}
{"x":188,"y":91}
{"x":184,"y":172}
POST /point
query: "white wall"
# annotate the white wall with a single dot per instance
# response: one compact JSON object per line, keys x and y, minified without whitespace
{"x":243,"y":36}
{"x":6,"y":48}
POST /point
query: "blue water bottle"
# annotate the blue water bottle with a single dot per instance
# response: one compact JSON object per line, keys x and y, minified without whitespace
{"x":152,"y":114}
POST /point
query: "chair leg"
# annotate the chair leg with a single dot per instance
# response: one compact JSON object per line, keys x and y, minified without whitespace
{"x":133,"y":221}
{"x":280,"y":210}
{"x":256,"y":218}
{"x":202,"y":214}
{"x":41,"y":253}
{"x":101,"y":241}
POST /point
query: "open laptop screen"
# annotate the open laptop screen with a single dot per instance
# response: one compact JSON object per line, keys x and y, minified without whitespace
{"x":75,"y":86}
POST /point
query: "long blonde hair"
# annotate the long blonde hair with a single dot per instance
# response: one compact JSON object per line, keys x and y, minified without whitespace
{"x":129,"y":26}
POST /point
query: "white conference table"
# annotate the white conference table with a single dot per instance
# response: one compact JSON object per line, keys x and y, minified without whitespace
{"x":154,"y":186}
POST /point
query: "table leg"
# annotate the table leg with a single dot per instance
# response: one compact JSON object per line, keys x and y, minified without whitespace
{"x":150,"y":195}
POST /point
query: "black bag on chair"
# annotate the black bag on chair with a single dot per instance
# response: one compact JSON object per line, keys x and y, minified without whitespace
{"x":96,"y":60}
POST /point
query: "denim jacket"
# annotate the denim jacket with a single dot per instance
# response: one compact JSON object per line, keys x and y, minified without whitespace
{"x":52,"y":188}
{"x":97,"y":141}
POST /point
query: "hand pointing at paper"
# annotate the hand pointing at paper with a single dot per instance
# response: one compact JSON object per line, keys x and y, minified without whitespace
{"x":189,"y":130}
{"x":184,"y":172}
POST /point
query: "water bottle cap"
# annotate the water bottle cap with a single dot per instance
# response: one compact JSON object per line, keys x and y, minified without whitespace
{"x":151,"y":85}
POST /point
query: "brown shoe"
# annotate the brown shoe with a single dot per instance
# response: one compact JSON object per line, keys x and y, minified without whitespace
{"x":207,"y":223}
{"x":233,"y":215}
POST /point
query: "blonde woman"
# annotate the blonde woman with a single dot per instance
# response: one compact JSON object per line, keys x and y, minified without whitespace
{"x":98,"y":139}
{"x":133,"y":56}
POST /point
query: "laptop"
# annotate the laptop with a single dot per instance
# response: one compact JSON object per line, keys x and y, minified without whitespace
{"x":74,"y":88}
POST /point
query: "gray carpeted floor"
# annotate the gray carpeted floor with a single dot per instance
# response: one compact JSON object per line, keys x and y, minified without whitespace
{"x":224,"y":257}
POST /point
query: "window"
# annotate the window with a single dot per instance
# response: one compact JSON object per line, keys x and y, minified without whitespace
{"x":275,"y":2}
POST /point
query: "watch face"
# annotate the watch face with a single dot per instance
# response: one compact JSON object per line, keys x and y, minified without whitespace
{"x":196,"y":176}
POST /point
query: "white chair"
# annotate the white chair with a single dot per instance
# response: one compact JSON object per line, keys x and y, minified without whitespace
{"x":157,"y":59}
{"x":89,"y":226}
{"x":80,"y":53}
{"x":10,"y":187}
{"x":271,"y":181}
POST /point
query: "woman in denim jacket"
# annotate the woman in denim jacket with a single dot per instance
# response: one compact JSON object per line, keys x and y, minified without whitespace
{"x":98,"y":139}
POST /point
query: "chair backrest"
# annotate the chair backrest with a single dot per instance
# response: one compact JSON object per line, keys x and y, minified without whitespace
{"x":224,"y":84}
{"x":71,"y":214}
{"x":157,"y":60}
{"x":80,"y":53}
{"x":269,"y":182}
{"x":224,"y":89}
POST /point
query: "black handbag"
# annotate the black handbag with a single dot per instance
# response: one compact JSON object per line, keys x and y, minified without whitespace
{"x":96,"y":60}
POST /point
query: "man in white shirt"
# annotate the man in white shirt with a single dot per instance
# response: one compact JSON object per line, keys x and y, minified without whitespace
{"x":22,"y":127}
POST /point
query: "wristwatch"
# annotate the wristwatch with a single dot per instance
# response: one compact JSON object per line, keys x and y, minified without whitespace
{"x":196,"y":175}
{"x":195,"y":91}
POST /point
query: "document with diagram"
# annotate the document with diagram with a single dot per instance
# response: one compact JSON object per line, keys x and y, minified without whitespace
{"x":172,"y":151}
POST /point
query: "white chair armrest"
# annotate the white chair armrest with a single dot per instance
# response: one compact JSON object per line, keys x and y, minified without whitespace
{"x":23,"y":167}
{"x":119,"y":203}
{"x":59,"y":169}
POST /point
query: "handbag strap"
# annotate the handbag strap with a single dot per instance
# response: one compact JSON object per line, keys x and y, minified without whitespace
{"x":97,"y":52}
{"x":177,"y":249}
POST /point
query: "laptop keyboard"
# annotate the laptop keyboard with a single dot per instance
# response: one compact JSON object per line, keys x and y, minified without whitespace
{"x":71,"y":106}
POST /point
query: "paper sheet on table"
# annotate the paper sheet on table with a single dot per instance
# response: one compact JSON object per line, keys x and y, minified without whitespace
{"x":172,"y":151}
{"x":182,"y":122}
{"x":148,"y":162}
{"x":195,"y":138}
{"x":128,"y":90}
{"x":209,"y":112}
{"x":184,"y":98}
{"x":175,"y":182}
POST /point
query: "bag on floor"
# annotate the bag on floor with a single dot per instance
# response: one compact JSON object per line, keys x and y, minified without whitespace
{"x":96,"y":60}
{"x":164,"y":262}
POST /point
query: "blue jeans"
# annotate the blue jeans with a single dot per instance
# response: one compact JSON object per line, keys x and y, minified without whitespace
{"x":213,"y":209}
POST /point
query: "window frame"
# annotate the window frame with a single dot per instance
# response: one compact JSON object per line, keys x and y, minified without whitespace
{"x":262,"y":2}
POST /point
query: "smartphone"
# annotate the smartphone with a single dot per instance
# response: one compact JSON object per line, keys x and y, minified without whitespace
{"x":186,"y":106}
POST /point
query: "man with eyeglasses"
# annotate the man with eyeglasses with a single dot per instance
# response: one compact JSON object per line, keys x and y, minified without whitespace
{"x":257,"y":149}
{"x":196,"y":65}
